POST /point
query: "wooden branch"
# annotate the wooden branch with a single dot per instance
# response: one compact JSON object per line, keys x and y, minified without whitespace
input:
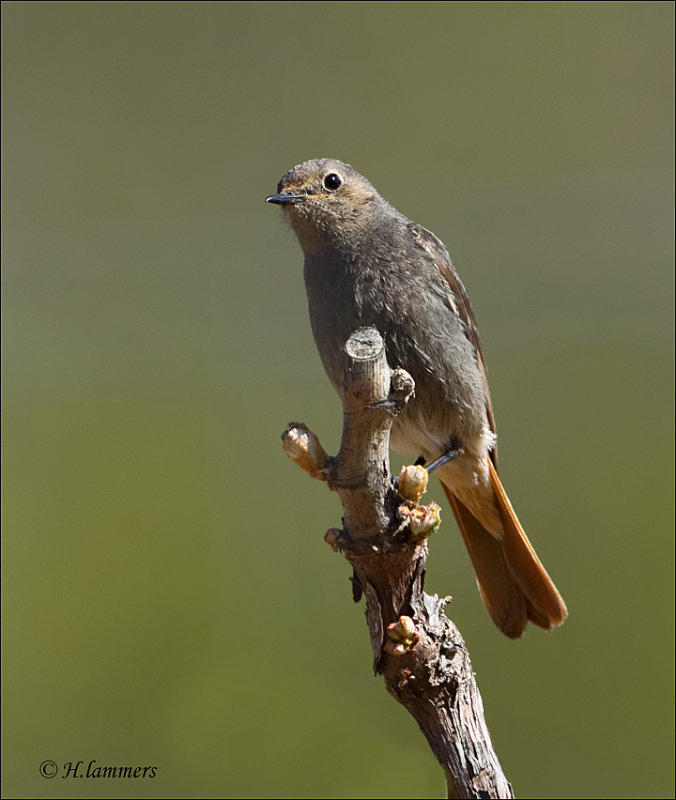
{"x":416,"y":648}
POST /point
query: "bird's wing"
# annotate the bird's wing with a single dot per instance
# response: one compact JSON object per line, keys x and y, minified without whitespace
{"x":435,"y":248}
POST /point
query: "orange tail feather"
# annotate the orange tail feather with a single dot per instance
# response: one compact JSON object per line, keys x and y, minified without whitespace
{"x":513,"y":583}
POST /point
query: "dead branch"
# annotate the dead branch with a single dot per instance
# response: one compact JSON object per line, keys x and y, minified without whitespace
{"x":416,"y":648}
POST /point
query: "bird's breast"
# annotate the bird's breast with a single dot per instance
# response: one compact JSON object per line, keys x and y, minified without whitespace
{"x":423,"y":335}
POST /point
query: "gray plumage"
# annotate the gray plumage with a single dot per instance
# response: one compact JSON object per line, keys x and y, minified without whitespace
{"x":367,"y":264}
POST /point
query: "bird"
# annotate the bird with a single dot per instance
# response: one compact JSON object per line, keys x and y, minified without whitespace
{"x":366,"y":264}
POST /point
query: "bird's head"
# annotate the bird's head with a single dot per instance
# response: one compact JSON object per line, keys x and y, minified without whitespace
{"x":326,"y":202}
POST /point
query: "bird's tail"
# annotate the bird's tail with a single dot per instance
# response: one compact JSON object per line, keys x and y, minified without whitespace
{"x":513,"y":583}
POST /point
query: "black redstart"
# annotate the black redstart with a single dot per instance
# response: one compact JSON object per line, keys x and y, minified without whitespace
{"x":367,"y":264}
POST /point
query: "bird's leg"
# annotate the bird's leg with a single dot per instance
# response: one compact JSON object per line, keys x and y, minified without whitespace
{"x":451,"y":454}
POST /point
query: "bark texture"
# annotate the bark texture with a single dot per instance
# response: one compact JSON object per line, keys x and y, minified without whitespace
{"x":416,"y":648}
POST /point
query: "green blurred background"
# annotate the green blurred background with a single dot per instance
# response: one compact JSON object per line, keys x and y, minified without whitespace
{"x":168,"y":597}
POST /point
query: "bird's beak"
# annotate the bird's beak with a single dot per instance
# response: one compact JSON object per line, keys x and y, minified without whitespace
{"x":286,"y":198}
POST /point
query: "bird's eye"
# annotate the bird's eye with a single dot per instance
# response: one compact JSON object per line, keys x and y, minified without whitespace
{"x":332,"y":181}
